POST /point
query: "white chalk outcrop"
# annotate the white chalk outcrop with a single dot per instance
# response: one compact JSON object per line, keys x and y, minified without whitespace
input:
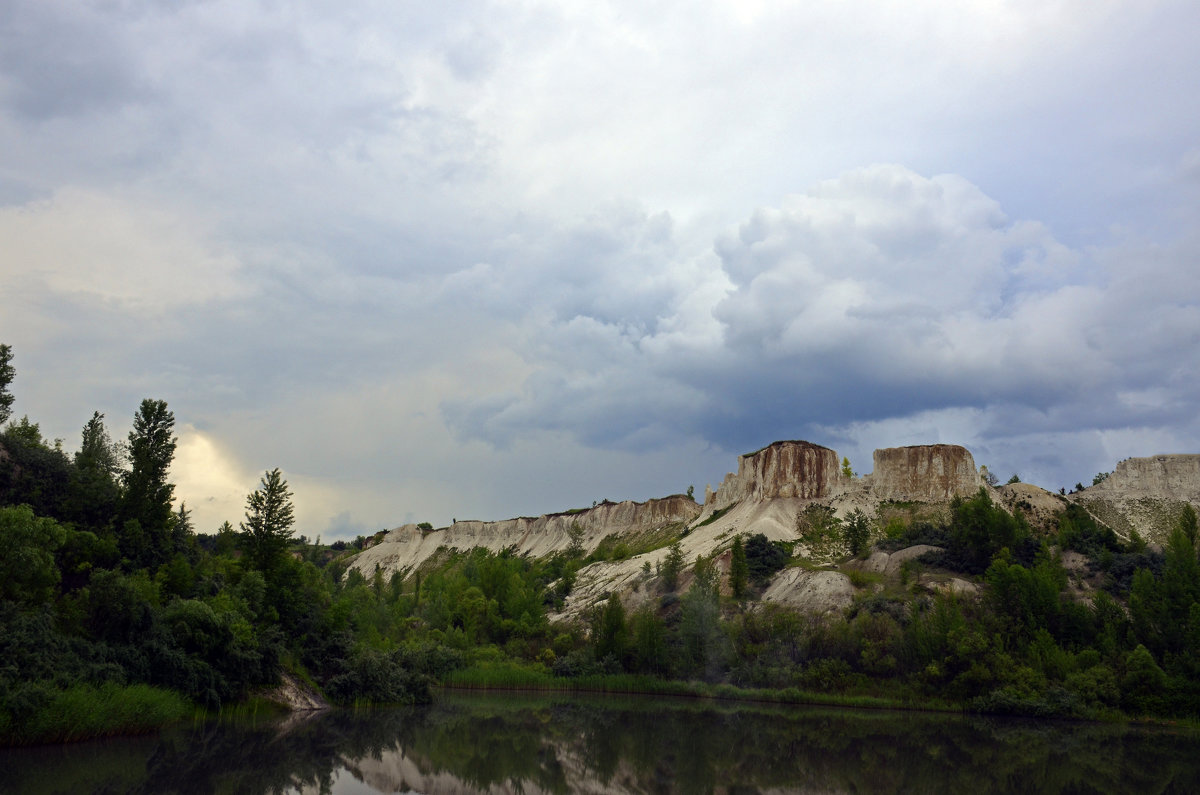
{"x":1145,"y":495}
{"x":770,"y":489}
{"x":923,"y":473}
{"x":408,"y":546}
{"x":784,"y":470}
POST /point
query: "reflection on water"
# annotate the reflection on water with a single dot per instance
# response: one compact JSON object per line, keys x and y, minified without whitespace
{"x":560,"y":744}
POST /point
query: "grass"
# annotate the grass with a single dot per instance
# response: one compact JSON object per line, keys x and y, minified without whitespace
{"x":862,"y":579}
{"x":630,"y":545}
{"x":715,"y":516}
{"x":82,"y":712}
{"x":252,"y":708}
{"x":509,"y":676}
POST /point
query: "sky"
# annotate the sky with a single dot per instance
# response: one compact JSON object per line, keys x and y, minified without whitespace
{"x":478,"y":260}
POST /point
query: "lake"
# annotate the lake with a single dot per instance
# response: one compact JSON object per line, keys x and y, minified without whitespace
{"x":521,"y":743}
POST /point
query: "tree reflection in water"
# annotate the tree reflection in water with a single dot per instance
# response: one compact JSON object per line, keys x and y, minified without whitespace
{"x":560,"y":744}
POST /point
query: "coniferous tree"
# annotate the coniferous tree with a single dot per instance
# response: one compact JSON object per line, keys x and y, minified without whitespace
{"x":97,"y":452}
{"x":94,"y":487}
{"x":1187,"y":523}
{"x":739,"y":569}
{"x":856,"y":531}
{"x":612,"y":636}
{"x":182,"y":532}
{"x":269,"y":520}
{"x":226,"y":539}
{"x":672,"y":567}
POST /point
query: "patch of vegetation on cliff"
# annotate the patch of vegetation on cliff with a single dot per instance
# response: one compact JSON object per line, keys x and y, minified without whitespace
{"x":714,"y":516}
{"x":894,"y":516}
{"x":622,"y":546}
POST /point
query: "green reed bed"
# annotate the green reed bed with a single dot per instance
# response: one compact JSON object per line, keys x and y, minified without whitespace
{"x":507,"y":676}
{"x":83,"y":711}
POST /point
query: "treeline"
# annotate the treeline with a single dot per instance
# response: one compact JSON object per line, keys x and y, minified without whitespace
{"x":109,"y":596}
{"x":1028,"y":644}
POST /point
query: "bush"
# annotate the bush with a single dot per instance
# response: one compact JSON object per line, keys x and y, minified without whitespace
{"x":764,"y":558}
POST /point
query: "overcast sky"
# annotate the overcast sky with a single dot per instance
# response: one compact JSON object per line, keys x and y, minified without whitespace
{"x":479,"y":260}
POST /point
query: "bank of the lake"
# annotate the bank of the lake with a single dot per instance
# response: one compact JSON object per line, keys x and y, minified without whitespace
{"x":502,"y":677}
{"x":84,"y":712}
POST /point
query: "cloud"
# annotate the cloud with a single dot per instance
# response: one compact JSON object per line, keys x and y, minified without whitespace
{"x":212,"y":483}
{"x":878,"y":297}
{"x":99,"y":248}
{"x":88,"y":69}
{"x":454,"y":258}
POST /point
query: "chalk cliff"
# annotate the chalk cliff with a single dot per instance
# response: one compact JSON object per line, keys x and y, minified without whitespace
{"x":775,"y":485}
{"x":407,"y":546}
{"x":1144,"y":494}
{"x":927,"y":473}
{"x":781,"y":470}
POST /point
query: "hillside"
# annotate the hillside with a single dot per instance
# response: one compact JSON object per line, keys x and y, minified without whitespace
{"x":770,"y":494}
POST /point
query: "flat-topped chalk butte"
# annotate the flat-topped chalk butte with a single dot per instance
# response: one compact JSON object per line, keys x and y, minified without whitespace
{"x":926,"y":472}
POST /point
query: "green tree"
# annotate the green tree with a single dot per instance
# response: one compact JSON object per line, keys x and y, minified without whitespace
{"x":612,"y":636}
{"x":181,"y":528}
{"x":820,"y":531}
{"x":739,"y":569}
{"x":226,"y":539}
{"x":34,"y":472}
{"x":705,"y":646}
{"x":94,"y":491}
{"x":856,"y":532}
{"x":1187,"y":522}
{"x":764,"y":558}
{"x":847,"y":470}
{"x":575,"y":533}
{"x":148,"y":494}
{"x":979,"y":529}
{"x":672,"y":567}
{"x":97,"y":452}
{"x":7,"y":373}
{"x":269,"y":520}
{"x":27,"y":568}
{"x":1143,"y":684}
{"x":649,"y":638}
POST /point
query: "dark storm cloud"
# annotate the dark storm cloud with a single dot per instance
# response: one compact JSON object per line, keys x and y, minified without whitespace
{"x":60,"y":60}
{"x":475,"y":255}
{"x":881,"y":295}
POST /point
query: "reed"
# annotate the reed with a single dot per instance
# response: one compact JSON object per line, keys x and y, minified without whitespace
{"x":509,"y":676}
{"x":82,"y":712}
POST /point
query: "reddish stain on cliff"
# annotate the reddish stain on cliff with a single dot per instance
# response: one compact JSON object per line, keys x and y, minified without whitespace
{"x":927,"y":472}
{"x":782,"y":469}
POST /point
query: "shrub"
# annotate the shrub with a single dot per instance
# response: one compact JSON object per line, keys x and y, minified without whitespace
{"x":764,"y":558}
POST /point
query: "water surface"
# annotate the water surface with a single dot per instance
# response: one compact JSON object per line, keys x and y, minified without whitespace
{"x":559,"y":744}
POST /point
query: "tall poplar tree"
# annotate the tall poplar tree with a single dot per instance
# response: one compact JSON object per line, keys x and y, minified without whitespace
{"x":7,"y":373}
{"x":148,"y":495}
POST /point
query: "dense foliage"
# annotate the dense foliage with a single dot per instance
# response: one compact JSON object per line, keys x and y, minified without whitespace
{"x":108,"y":593}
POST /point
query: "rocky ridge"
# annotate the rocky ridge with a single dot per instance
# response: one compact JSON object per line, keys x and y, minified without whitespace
{"x":1145,"y":495}
{"x":770,"y":489}
{"x":408,"y":546}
